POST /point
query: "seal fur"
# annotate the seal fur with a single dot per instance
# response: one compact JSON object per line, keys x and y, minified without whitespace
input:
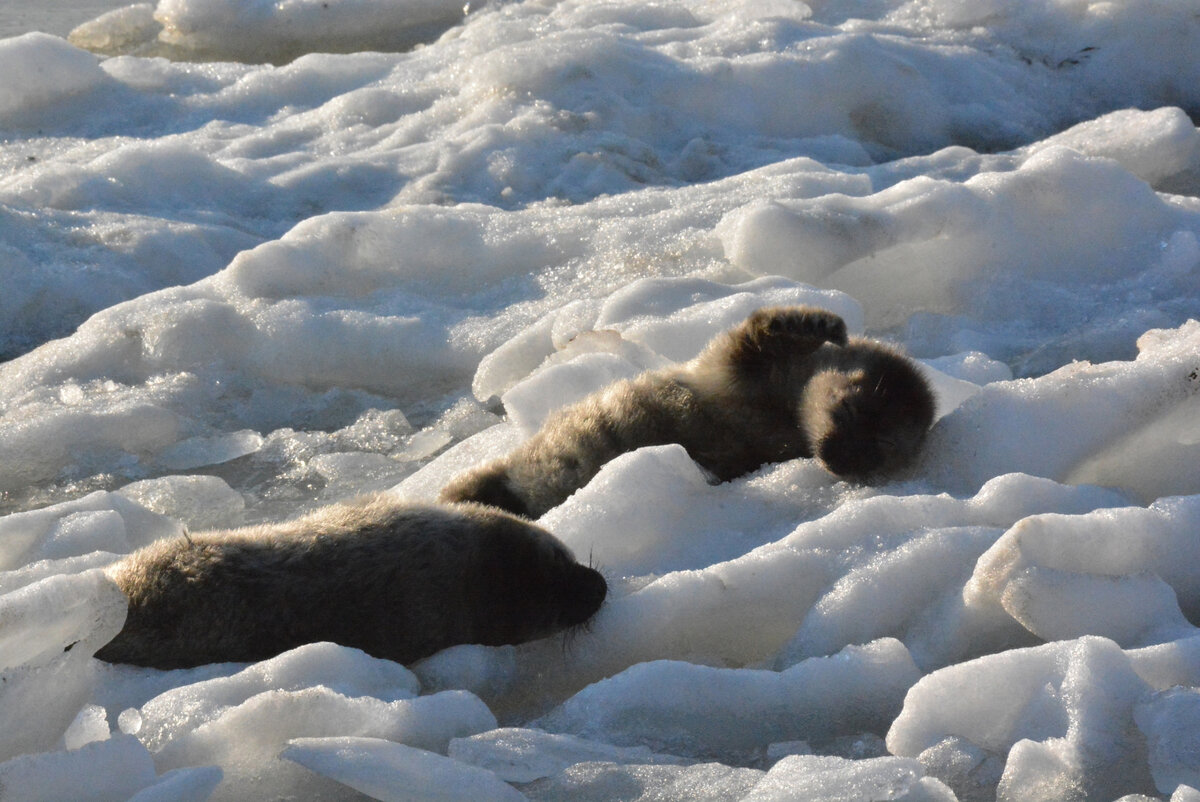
{"x":785,"y":383}
{"x":398,"y":581}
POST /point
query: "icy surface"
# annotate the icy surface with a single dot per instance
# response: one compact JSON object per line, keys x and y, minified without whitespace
{"x":256,"y":257}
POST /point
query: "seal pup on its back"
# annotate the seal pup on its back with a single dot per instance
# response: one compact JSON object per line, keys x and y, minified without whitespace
{"x":398,"y":581}
{"x":785,"y":383}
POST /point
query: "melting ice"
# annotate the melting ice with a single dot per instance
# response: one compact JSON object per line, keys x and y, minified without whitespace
{"x":256,"y":257}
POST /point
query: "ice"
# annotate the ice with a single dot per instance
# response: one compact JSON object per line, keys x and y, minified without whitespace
{"x":114,"y":769}
{"x":530,"y":402}
{"x":1065,"y":720}
{"x":693,"y":710}
{"x":1084,"y":423}
{"x":809,"y":777}
{"x":650,"y":324}
{"x":1153,"y":145}
{"x":598,"y":781}
{"x":181,"y":785}
{"x":392,"y":771}
{"x":521,"y":755}
{"x":197,"y":452}
{"x":48,"y":632}
{"x":219,"y":29}
{"x":1065,"y":576}
{"x":915,"y":245}
{"x":42,"y":569}
{"x":246,"y":738}
{"x":90,"y":724}
{"x":197,"y":502}
{"x":1169,"y":720}
{"x":118,"y":31}
{"x":348,"y":671}
{"x":44,"y":72}
{"x":257,"y":257}
{"x":240,"y":722}
{"x":95,"y":522}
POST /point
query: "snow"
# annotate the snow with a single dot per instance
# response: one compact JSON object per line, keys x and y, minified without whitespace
{"x":261,"y":256}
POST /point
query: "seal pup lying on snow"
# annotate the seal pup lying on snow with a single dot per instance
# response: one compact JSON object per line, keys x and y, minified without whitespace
{"x":398,"y":581}
{"x":785,"y":383}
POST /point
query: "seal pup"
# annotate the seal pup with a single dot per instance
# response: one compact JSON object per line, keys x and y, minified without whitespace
{"x":785,"y":383}
{"x":397,"y":580}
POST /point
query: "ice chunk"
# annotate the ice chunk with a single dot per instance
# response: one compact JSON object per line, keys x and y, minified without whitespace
{"x":521,"y":755}
{"x":43,"y":71}
{"x":84,"y":532}
{"x":677,"y":317}
{"x":1114,"y":544}
{"x":196,"y":452}
{"x":223,"y":30}
{"x":182,"y":785}
{"x":529,"y":403}
{"x":48,"y":632}
{"x":948,"y":392}
{"x":392,"y":771}
{"x":198,"y":502}
{"x":1133,"y":610}
{"x":97,"y":521}
{"x":599,"y":782}
{"x":1065,"y":718}
{"x":692,"y":710}
{"x":746,"y":609}
{"x":42,"y":569}
{"x":339,"y":668}
{"x":122,"y":30}
{"x":649,"y":324}
{"x":971,"y":772}
{"x":1166,"y":664}
{"x":1152,"y":145}
{"x":914,"y":246}
{"x":971,"y":366}
{"x":1171,"y":721}
{"x":1152,"y":460}
{"x":246,"y":739}
{"x":1083,"y":423}
{"x":90,"y":724}
{"x":486,"y":671}
{"x":621,"y":538}
{"x":654,"y":510}
{"x":106,"y":771}
{"x":882,"y":596}
{"x":491,"y":443}
{"x":521,"y":354}
{"x":809,"y":778}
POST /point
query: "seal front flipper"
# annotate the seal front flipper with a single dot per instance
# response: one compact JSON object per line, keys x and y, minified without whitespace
{"x":772,"y":337}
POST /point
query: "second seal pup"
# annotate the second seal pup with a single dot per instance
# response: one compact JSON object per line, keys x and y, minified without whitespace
{"x":398,"y":581}
{"x":785,"y":383}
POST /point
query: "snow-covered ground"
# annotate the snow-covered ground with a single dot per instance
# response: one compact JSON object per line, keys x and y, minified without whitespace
{"x":260,"y":256}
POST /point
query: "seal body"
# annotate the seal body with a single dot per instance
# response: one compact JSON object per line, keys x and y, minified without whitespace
{"x":785,"y":383}
{"x":398,"y":581}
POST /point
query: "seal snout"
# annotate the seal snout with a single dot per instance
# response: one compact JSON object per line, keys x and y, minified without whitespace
{"x":584,"y":593}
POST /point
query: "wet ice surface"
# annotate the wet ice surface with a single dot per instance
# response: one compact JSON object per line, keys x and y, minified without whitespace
{"x":234,"y":291}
